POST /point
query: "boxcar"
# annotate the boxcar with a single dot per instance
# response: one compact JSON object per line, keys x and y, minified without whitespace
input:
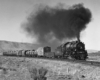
{"x":40,"y":52}
{"x":21,"y":53}
{"x":30,"y":53}
{"x":5,"y":53}
{"x":47,"y":49}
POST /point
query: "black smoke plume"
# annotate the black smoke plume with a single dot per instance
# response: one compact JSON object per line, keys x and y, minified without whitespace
{"x":56,"y":23}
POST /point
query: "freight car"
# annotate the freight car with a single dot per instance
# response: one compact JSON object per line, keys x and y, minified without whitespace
{"x":43,"y":51}
{"x":30,"y":53}
{"x":10,"y":53}
{"x":40,"y":52}
{"x":21,"y":53}
{"x":48,"y":53}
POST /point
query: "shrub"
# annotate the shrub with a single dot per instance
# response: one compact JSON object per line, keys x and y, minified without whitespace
{"x":38,"y":74}
{"x":42,"y":72}
{"x":4,"y":71}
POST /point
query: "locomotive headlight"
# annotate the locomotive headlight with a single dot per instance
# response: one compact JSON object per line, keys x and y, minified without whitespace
{"x":80,"y":52}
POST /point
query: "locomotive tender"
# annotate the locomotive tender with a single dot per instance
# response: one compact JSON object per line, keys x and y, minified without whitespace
{"x":70,"y":50}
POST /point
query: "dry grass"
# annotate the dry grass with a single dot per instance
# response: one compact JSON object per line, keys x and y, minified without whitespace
{"x":27,"y":69}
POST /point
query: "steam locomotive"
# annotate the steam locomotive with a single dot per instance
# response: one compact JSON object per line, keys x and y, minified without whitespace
{"x":74,"y":50}
{"x":70,"y":50}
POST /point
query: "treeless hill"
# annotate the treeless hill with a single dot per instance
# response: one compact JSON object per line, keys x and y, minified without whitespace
{"x":7,"y":45}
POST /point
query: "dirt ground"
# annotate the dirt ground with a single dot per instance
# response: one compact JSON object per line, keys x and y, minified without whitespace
{"x":14,"y":68}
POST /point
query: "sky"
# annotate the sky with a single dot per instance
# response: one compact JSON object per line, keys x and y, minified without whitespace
{"x":14,"y":12}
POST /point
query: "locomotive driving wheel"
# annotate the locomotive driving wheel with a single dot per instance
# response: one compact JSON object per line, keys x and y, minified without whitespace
{"x":82,"y":56}
{"x":73,"y":55}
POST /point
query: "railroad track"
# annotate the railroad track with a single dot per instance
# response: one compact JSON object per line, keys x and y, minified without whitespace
{"x":92,"y":63}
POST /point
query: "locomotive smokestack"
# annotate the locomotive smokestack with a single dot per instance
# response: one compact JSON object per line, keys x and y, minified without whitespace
{"x":78,"y":37}
{"x":50,"y":24}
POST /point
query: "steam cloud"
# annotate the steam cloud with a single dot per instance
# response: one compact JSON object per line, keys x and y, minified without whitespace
{"x":49,"y":24}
